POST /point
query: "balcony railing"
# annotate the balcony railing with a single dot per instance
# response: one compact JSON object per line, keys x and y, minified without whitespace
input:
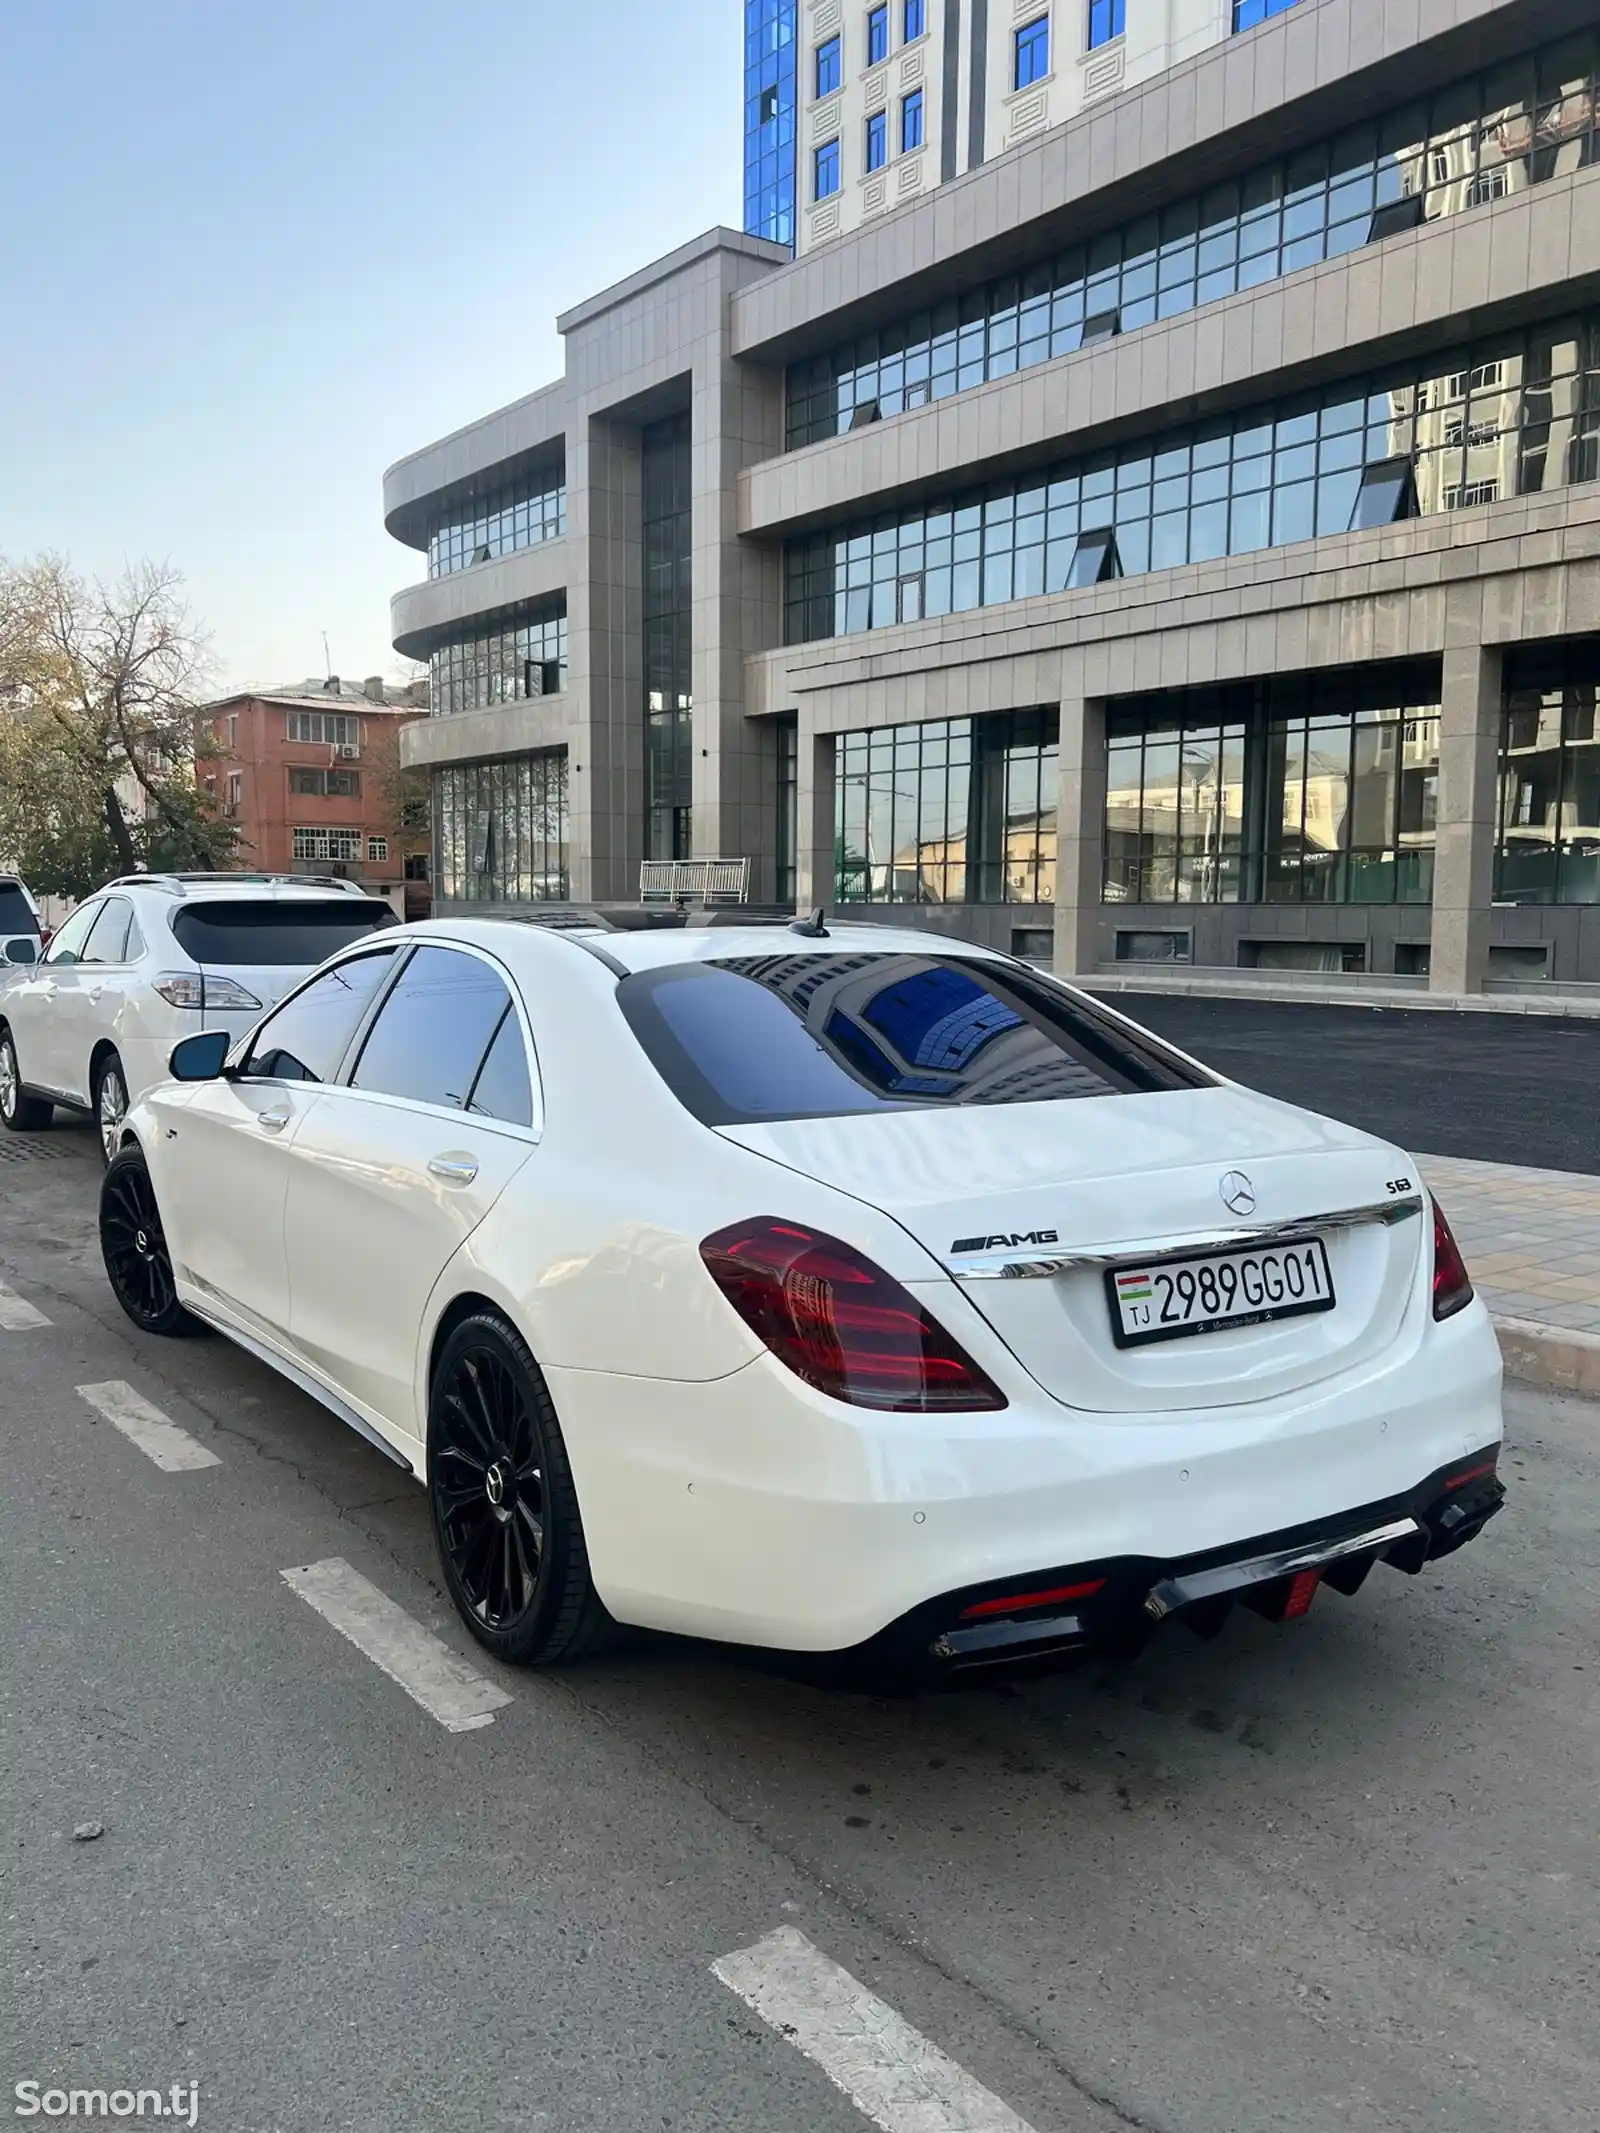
{"x":694,"y":881}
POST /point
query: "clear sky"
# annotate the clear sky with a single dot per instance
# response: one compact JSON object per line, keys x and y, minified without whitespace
{"x":254,"y":250}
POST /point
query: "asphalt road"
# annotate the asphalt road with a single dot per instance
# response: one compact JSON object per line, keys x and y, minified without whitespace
{"x":1339,"y":1879}
{"x":1497,"y":1088}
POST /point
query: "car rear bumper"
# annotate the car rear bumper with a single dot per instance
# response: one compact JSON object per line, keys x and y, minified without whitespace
{"x":752,"y":1510}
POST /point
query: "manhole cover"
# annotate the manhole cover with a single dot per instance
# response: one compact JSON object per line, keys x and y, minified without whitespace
{"x":28,"y":1147}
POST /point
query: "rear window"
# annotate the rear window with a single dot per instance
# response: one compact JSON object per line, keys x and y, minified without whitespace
{"x":818,"y":1036}
{"x":16,"y":915}
{"x":265,"y":932}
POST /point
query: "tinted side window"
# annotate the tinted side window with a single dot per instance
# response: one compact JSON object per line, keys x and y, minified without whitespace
{"x":16,"y":913}
{"x":432,"y":1033}
{"x":109,"y":941}
{"x":503,"y":1089}
{"x":306,"y":1039}
{"x":67,"y":947}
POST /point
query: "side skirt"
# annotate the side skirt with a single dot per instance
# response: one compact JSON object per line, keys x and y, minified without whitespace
{"x":301,"y":1378}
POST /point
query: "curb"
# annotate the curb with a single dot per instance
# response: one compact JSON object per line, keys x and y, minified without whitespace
{"x":1550,"y":1357}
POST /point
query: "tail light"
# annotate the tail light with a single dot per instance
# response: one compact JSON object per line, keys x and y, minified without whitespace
{"x":840,"y":1322}
{"x":197,"y":989}
{"x":1452,"y":1284}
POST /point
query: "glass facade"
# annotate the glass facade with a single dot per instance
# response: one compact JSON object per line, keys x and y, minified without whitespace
{"x":668,"y":607}
{"x":1489,"y":135}
{"x":515,"y":516}
{"x":1549,"y":842}
{"x":1515,"y":416}
{"x":500,"y":829}
{"x":1301,"y":789}
{"x":787,"y":738}
{"x":525,"y":656}
{"x":770,"y":98}
{"x":1107,"y":19}
{"x":956,"y":811}
{"x":1247,"y":13}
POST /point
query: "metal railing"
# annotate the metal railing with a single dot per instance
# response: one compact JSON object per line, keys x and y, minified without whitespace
{"x":694,"y":881}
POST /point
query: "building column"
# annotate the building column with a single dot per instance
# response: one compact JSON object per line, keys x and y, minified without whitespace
{"x":1471,"y":715}
{"x":815,"y":877}
{"x":1080,"y":836}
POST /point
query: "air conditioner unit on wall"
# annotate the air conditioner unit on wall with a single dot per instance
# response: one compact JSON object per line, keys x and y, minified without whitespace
{"x":350,"y":753}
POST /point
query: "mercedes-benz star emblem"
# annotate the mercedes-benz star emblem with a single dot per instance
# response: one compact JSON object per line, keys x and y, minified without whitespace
{"x":1238,"y":1194}
{"x":495,"y":1485}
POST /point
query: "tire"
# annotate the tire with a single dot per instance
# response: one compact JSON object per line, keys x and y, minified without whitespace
{"x":19,"y":1112}
{"x":109,"y":1091}
{"x":134,"y":1248}
{"x":505,"y":1512}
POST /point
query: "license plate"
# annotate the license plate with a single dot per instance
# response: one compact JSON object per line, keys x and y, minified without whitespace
{"x":1246,"y":1286}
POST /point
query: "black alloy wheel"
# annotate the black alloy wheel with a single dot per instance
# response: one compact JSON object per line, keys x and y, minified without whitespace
{"x":505,"y":1512}
{"x":134,"y":1248}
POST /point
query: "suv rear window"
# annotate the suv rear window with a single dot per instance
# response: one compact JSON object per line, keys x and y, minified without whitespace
{"x":759,"y":1038}
{"x":261,"y":931}
{"x":16,"y":915}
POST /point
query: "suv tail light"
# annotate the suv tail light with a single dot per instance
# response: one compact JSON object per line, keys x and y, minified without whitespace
{"x":840,"y":1322}
{"x":194,"y":988}
{"x":1452,"y":1284}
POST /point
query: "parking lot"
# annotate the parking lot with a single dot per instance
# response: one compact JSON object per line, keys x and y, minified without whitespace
{"x":1335,"y":1876}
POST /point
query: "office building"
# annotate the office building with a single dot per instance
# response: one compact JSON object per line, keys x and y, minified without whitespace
{"x":1174,"y":535}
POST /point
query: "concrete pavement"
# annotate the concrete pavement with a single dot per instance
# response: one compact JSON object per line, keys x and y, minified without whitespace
{"x":1337,"y":1879}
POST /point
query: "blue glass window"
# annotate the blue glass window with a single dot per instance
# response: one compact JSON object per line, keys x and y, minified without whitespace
{"x":916,"y":19}
{"x":825,"y":171}
{"x":1107,"y":19}
{"x":1033,"y":53}
{"x":771,"y":95}
{"x":877,"y":140}
{"x":911,"y":121}
{"x":1247,"y":13}
{"x":1476,"y":141}
{"x":1456,"y":431}
{"x":877,"y":35}
{"x":830,"y":66}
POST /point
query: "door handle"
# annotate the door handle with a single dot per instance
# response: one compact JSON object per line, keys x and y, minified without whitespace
{"x":273,"y":1121}
{"x":454,"y":1169}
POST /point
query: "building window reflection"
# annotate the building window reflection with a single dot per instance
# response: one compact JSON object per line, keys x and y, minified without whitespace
{"x":500,"y":829}
{"x":1477,"y":141}
{"x":954,"y":811}
{"x":787,"y":740}
{"x":526,"y":656}
{"x":1549,"y":842}
{"x":1518,"y":416}
{"x":518,"y":515}
{"x":1319,"y":789}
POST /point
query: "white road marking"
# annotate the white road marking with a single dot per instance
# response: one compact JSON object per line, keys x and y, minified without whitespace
{"x":161,"y":1440}
{"x":17,"y":1316}
{"x":888,"y":2069}
{"x":429,"y":1672}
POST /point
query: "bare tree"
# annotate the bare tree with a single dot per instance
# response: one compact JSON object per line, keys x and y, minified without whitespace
{"x":99,"y":689}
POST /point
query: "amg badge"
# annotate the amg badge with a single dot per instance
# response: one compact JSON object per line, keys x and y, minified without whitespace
{"x":1004,"y":1244}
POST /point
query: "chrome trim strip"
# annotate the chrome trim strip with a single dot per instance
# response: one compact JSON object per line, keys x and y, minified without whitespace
{"x":1039,"y":1266}
{"x":1173,"y":1593}
{"x":302,"y":1379}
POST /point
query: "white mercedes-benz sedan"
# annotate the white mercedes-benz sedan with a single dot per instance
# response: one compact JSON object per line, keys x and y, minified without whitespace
{"x":837,"y":1290}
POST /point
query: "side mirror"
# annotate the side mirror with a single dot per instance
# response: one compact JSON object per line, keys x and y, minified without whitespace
{"x":201,"y":1057}
{"x":23,"y":952}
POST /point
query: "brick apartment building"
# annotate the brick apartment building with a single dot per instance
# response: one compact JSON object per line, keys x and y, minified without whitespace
{"x":311,"y":774}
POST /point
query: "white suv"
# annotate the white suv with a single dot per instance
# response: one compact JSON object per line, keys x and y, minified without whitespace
{"x":148,"y":960}
{"x":19,"y":921}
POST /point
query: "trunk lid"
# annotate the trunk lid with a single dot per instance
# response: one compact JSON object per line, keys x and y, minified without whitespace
{"x":1129,"y":1175}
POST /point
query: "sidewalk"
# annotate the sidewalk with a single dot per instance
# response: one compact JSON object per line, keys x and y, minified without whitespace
{"x":1531,"y":1239}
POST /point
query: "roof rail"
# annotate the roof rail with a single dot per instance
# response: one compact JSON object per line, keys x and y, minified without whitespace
{"x":178,"y":884}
